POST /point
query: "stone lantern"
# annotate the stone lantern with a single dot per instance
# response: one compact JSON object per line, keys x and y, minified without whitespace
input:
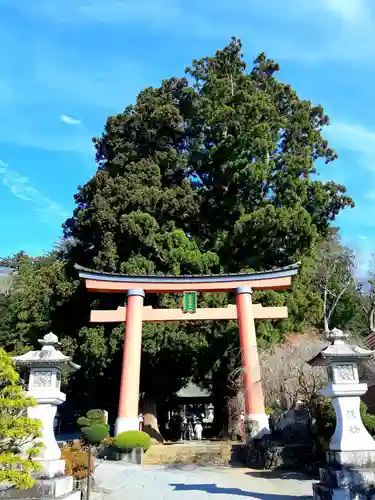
{"x":351,"y":456}
{"x":46,"y":368}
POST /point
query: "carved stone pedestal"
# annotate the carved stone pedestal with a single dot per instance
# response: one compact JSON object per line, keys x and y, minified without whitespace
{"x":352,"y":481}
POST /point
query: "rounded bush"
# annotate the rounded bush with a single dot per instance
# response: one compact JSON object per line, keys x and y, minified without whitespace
{"x":95,"y":433}
{"x":129,"y":440}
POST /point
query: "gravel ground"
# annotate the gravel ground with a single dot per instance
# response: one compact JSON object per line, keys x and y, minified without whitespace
{"x":118,"y":481}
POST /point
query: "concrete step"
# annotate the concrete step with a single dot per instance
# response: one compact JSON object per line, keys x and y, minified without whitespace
{"x":189,"y":453}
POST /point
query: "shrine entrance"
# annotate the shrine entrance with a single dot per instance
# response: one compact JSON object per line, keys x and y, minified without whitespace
{"x":135,"y":313}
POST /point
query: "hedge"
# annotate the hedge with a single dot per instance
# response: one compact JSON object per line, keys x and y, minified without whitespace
{"x":129,"y":440}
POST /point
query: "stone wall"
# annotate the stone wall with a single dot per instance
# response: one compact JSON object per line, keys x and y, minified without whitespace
{"x":272,"y":455}
{"x":292,"y":445}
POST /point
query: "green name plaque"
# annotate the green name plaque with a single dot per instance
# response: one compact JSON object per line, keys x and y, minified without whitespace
{"x":190,"y":302}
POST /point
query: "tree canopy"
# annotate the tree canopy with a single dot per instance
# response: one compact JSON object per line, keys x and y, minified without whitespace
{"x":218,"y":175}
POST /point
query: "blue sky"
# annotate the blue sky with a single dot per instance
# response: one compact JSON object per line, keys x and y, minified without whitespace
{"x":68,"y":64}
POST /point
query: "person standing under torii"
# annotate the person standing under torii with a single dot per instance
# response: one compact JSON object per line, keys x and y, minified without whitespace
{"x":183,"y":427}
{"x":198,"y":430}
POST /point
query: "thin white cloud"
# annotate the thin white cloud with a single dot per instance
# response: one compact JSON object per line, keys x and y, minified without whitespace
{"x":321,"y":30}
{"x":20,"y":186}
{"x":69,"y":120}
{"x":359,"y":140}
{"x":351,"y":22}
{"x":350,"y":11}
{"x":45,"y":139}
{"x":59,"y":77}
{"x":72,"y":78}
{"x":364,"y":251}
{"x":353,"y":137}
{"x":149,"y":11}
{"x":99,"y":11}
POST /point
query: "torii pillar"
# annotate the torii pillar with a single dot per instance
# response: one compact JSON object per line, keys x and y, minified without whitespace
{"x":255,"y":414}
{"x":131,"y":364}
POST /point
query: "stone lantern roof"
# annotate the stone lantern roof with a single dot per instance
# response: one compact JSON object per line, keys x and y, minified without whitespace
{"x":48,"y":356}
{"x":339,"y":350}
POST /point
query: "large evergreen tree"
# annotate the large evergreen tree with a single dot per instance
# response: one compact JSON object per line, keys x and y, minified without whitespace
{"x":230,"y":162}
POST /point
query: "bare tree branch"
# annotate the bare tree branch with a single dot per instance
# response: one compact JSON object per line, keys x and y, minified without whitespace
{"x":337,"y":299}
{"x":286,"y":377}
{"x":335,"y":266}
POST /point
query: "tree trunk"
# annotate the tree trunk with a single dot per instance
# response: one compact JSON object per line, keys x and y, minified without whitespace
{"x":150,"y":420}
{"x":221,"y":412}
{"x":236,"y":407}
{"x":325,"y":310}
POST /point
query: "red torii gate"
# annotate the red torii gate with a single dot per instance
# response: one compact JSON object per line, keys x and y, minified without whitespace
{"x":135,"y":313}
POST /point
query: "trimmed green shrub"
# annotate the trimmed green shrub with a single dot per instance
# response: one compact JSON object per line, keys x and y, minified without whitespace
{"x":92,"y":417}
{"x":130,"y":440}
{"x":95,"y":433}
{"x":96,"y":415}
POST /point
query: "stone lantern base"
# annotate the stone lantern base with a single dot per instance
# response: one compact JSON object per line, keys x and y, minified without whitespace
{"x":58,"y":488}
{"x":348,"y":476}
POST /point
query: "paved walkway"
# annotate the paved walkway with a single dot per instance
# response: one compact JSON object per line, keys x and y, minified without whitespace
{"x":117,"y":481}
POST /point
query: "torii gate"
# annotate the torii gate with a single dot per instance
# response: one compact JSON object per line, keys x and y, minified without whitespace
{"x":135,"y":313}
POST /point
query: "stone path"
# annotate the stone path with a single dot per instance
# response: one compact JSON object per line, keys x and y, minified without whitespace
{"x":117,"y":481}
